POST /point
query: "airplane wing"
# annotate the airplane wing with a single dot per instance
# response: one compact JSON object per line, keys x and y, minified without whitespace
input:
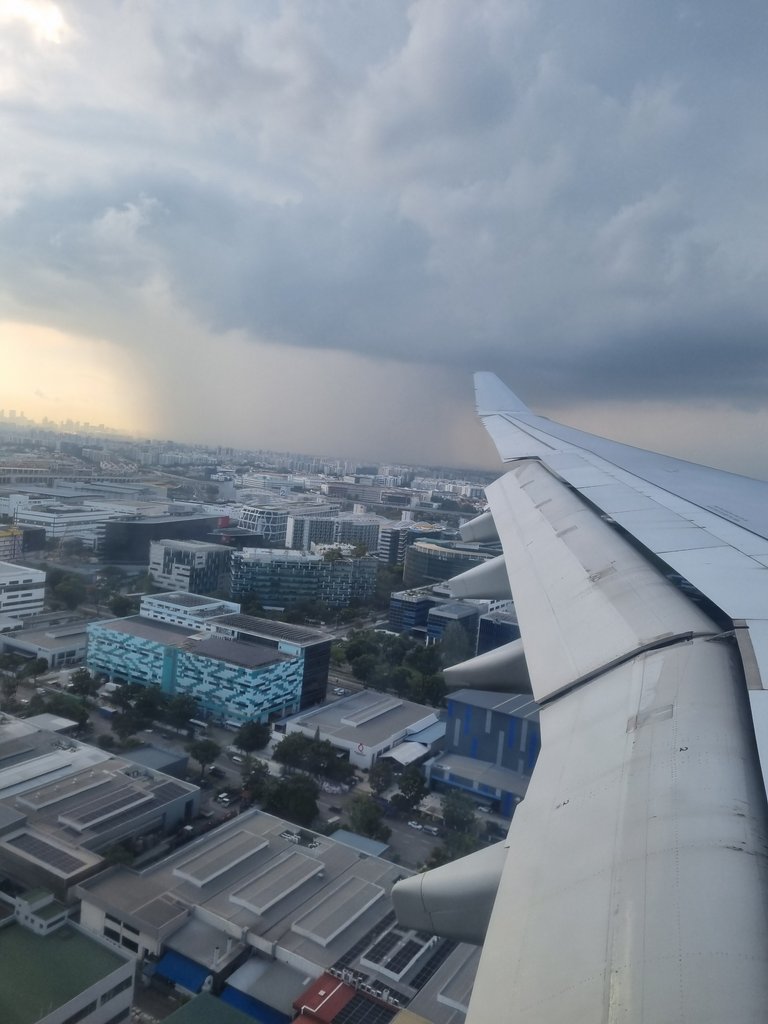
{"x":632,"y":885}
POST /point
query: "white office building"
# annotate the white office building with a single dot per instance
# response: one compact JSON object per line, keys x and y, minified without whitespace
{"x":22,"y":593}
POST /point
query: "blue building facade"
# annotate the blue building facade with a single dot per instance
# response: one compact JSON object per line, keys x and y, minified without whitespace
{"x":229,"y":680}
{"x":492,"y":741}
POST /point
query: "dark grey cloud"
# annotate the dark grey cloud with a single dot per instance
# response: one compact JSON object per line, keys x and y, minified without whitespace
{"x":572,"y":196}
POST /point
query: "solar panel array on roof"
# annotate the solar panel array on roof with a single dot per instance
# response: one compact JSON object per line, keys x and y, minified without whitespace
{"x":46,"y":853}
{"x":271,"y":629}
{"x":58,"y":791}
{"x":403,"y":957}
{"x":438,"y":958}
{"x":168,"y":791}
{"x":395,"y":952}
{"x":236,"y":652}
{"x":360,"y":1010}
{"x":354,"y":951}
{"x":102,"y":808}
{"x":377,"y":953}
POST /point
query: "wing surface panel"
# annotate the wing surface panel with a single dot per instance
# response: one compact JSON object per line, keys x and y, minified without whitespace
{"x":740,"y":499}
{"x":629,"y":890}
{"x":584,"y":597}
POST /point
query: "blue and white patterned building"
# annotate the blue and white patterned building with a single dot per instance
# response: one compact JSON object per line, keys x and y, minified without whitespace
{"x":231,"y":680}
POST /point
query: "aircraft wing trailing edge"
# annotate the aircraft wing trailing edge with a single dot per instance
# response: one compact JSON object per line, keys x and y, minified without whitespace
{"x":633,"y":883}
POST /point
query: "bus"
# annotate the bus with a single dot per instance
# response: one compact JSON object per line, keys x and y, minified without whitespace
{"x":198,"y":725}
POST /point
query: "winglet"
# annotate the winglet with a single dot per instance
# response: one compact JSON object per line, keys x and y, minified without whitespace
{"x":493,"y":396}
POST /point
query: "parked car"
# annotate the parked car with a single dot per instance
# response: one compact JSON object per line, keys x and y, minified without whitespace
{"x":432,"y":830}
{"x":416,"y":825}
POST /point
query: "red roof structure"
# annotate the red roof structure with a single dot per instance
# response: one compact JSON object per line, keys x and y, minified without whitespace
{"x":323,"y":1000}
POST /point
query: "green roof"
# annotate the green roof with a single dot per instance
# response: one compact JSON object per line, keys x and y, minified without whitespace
{"x":39,"y":973}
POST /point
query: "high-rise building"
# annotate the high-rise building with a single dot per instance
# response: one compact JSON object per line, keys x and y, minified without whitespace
{"x":280,"y":578}
{"x":428,"y":562}
{"x":345,"y":528}
{"x":191,"y":565}
{"x":270,"y":522}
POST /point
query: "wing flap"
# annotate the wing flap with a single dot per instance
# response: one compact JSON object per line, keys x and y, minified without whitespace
{"x":628,"y":893}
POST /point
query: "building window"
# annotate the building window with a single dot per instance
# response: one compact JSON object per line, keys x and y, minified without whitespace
{"x":112,"y":992}
{"x":75,"y":1017}
{"x":130,"y":944}
{"x":110,"y":933}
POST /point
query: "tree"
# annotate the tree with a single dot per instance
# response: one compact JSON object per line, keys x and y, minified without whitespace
{"x":181,"y":707}
{"x":364,"y":667}
{"x":70,"y":591}
{"x":317,"y":757}
{"x":124,"y":724}
{"x":294,"y":798}
{"x":380,"y":776}
{"x":458,"y":811}
{"x":83,"y":683}
{"x":253,"y":736}
{"x":256,"y":779}
{"x":9,"y":688}
{"x":36,"y":668}
{"x":120,"y":605}
{"x":365,"y":818}
{"x":424,"y":659}
{"x":204,"y":752}
{"x":66,"y":706}
{"x":455,"y":845}
{"x":73,"y":545}
{"x":412,"y":785}
{"x":294,"y":751}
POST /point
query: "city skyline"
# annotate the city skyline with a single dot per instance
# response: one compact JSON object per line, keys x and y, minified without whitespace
{"x":267,"y":223}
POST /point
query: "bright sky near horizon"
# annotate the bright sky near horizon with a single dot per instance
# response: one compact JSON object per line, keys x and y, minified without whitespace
{"x":301,"y":225}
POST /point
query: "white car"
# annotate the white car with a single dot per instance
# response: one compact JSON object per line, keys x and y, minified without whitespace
{"x":416,"y":825}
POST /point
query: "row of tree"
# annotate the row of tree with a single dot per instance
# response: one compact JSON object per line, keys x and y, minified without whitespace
{"x":396,"y":664}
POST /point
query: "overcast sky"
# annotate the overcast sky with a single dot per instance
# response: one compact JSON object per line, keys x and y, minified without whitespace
{"x":303,"y":224}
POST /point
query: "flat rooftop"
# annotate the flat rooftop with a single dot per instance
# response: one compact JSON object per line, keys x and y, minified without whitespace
{"x":182,"y":600}
{"x":236,"y":652}
{"x":52,"y":638}
{"x":194,"y":545}
{"x":521,"y":705}
{"x":249,"y":874}
{"x":367,"y":717}
{"x":42,"y":972}
{"x":481,"y":772}
{"x":272,"y":630}
{"x":149,"y":629}
{"x":249,"y":655}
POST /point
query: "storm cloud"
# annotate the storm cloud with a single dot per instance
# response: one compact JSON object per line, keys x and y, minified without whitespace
{"x":573,"y":196}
